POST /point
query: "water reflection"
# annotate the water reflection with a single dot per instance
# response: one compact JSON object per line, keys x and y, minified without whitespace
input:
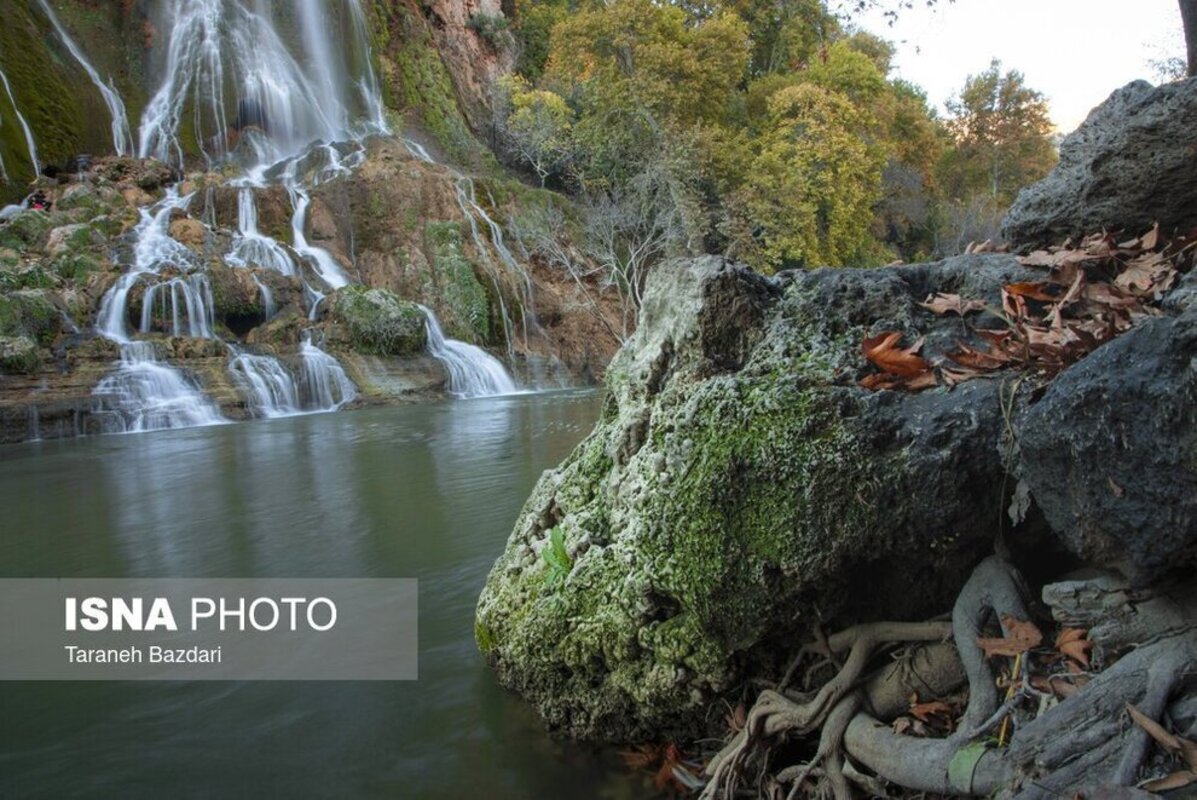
{"x":425,"y":491}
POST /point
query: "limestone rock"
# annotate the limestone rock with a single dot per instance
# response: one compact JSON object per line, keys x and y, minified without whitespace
{"x":1129,"y":165}
{"x":189,"y":232}
{"x":1110,"y":451}
{"x":377,"y":322}
{"x":740,"y":488}
{"x":18,"y":354}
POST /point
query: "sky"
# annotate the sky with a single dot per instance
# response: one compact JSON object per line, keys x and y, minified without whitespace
{"x":1076,"y":52}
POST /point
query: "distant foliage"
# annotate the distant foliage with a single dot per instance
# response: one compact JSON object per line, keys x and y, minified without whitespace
{"x":768,"y":132}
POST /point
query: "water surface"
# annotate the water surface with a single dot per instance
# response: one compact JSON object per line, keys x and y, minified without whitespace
{"x":427,"y":491}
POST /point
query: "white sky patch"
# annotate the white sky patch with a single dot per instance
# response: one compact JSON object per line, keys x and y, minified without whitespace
{"x":1073,"y":51}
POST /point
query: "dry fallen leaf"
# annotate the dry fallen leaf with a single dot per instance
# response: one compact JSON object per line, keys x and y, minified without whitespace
{"x":1035,"y":290}
{"x":1115,"y":489}
{"x":951,"y":303}
{"x":1072,"y":643}
{"x":883,"y":351}
{"x":1020,"y":637}
{"x":1176,"y":780}
{"x":1151,"y":239}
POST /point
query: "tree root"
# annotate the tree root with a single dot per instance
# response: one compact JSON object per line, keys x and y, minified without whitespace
{"x":1085,"y":739}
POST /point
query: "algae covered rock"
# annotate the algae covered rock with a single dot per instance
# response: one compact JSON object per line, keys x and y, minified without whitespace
{"x":18,"y":354}
{"x":378,"y":322}
{"x":740,"y":488}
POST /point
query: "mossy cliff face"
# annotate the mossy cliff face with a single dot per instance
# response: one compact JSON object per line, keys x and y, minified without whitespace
{"x":738,"y":489}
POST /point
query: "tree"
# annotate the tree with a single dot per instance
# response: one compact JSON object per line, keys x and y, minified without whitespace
{"x":810,"y":192}
{"x":538,"y":126}
{"x":1002,"y":135}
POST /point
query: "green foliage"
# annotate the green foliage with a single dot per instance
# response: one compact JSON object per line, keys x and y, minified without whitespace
{"x":557,"y":560}
{"x":492,"y":28}
{"x":464,"y":301}
{"x":813,"y":183}
{"x":762,"y":131}
{"x":539,"y":126}
{"x":1002,"y":135}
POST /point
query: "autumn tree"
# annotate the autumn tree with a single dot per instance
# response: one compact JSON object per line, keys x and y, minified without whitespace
{"x":1002,"y":136}
{"x":537,"y":126}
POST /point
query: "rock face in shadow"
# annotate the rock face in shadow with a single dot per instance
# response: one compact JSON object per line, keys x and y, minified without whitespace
{"x":1129,"y":165}
{"x":740,"y":488}
{"x":1110,"y":451}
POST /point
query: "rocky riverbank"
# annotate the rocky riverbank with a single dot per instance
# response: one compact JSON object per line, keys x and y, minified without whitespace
{"x":742,"y":489}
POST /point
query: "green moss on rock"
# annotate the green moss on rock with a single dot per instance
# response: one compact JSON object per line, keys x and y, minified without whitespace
{"x":29,"y":313}
{"x":459,"y":292}
{"x":18,"y":354}
{"x":27,"y":230}
{"x":378,"y":322}
{"x":735,"y":489}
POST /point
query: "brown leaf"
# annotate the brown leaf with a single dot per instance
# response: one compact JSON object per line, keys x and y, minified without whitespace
{"x":1039,"y":258}
{"x":1034,"y":290}
{"x":1174,"y":781}
{"x":1073,"y":644}
{"x":1154,"y":729}
{"x":1151,"y":239}
{"x":1020,"y":637}
{"x":932,"y":712}
{"x":951,"y":303}
{"x":974,"y":359}
{"x":883,"y":351}
{"x":1115,"y":489}
{"x":737,"y":718}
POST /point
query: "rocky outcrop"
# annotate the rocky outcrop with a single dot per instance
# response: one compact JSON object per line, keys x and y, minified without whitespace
{"x":1110,"y":451}
{"x":740,"y":488}
{"x":377,"y":322}
{"x":1128,"y":166}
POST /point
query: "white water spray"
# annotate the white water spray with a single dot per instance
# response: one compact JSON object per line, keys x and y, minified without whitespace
{"x":29,"y":142}
{"x":472,"y":371}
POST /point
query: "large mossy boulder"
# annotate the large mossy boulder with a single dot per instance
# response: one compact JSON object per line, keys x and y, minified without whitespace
{"x":377,"y":322}
{"x":740,"y":488}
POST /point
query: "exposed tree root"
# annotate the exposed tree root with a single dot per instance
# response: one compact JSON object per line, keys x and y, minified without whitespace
{"x":1084,"y":740}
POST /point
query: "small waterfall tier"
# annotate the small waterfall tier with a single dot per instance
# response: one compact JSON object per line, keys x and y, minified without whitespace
{"x":472,"y":371}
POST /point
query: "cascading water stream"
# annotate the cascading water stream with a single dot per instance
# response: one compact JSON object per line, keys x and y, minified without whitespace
{"x":464,"y":192}
{"x":29,"y":142}
{"x":323,"y":384}
{"x":269,"y":387}
{"x":472,"y":371}
{"x":252,"y":247}
{"x":144,"y":394}
{"x":122,"y":136}
{"x":215,"y":47}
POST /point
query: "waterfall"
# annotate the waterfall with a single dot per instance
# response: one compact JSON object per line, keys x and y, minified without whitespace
{"x":192,"y":310}
{"x":321,"y":260}
{"x":251,"y":247}
{"x":269,"y":386}
{"x":225,"y":54}
{"x":144,"y":394}
{"x":463,"y":187}
{"x":153,"y":251}
{"x":323,"y":383}
{"x":29,"y":143}
{"x":122,"y":137}
{"x":472,"y":371}
{"x":269,"y":307}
